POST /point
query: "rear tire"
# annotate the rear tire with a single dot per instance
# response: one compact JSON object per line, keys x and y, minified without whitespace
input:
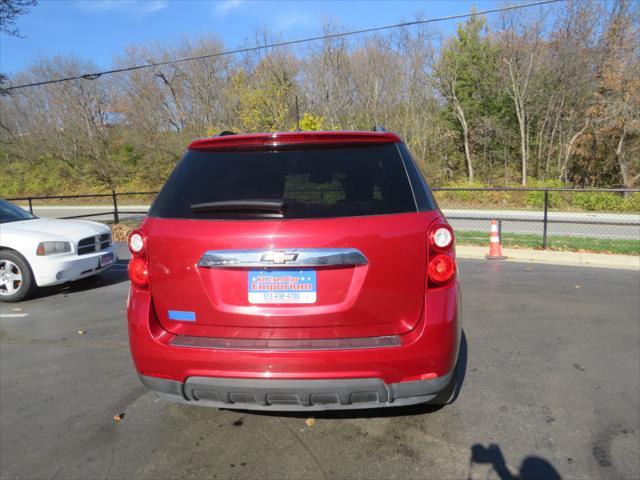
{"x":16,"y":279}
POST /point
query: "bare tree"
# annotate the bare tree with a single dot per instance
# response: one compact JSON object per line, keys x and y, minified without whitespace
{"x":448,"y":87}
{"x":559,"y":93}
{"x":521,"y":42}
{"x":10,"y":10}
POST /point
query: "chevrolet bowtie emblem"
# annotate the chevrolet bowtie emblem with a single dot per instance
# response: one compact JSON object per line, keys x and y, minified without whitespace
{"x":279,"y":257}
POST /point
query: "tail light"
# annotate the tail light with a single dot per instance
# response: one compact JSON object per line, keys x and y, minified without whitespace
{"x":138,"y":265}
{"x":137,"y":242}
{"x":441,"y":268}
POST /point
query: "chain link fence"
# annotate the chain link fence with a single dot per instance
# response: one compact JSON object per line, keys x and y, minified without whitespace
{"x":590,"y":220}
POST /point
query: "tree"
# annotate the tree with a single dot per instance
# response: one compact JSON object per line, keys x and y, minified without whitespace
{"x":266,"y":93}
{"x":618,"y":96}
{"x":10,"y":10}
{"x":561,"y":88}
{"x":533,"y":96}
{"x":67,"y":122}
{"x":326,"y":80}
{"x":466,"y":78}
{"x":521,"y":42}
{"x":311,"y":123}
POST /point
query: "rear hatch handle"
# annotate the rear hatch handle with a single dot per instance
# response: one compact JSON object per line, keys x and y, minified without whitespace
{"x":295,"y":257}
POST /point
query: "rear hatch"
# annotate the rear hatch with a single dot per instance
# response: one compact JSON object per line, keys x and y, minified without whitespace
{"x":289,"y":243}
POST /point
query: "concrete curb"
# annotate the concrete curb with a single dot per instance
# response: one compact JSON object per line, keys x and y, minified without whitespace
{"x":574,"y":259}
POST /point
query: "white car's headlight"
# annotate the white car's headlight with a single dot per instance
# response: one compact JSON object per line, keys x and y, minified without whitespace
{"x":53,"y":248}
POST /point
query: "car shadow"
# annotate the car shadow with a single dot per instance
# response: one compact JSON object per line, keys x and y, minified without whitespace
{"x":117,"y":273}
{"x":532,"y":467}
{"x":447,"y":397}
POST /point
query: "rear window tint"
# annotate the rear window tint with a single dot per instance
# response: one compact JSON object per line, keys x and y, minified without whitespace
{"x":313,"y":183}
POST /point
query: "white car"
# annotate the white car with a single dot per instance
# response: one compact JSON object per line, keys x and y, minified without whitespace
{"x":38,"y":252}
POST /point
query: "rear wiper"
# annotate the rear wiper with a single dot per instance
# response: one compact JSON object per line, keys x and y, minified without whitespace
{"x":241,"y":206}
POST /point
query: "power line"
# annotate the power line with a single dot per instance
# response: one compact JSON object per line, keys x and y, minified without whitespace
{"x":94,"y":76}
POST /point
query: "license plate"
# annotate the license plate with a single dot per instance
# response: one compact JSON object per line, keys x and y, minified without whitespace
{"x":282,"y":286}
{"x":106,"y":259}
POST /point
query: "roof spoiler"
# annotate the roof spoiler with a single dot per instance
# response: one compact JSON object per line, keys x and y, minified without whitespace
{"x":282,"y":140}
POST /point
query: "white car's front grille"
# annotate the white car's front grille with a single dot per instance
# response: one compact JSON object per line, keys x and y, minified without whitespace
{"x":94,"y":244}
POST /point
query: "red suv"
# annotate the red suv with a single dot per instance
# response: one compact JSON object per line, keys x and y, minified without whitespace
{"x":295,"y":271}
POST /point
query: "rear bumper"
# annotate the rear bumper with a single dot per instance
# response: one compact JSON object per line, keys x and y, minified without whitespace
{"x":295,"y":395}
{"x":410,"y":372}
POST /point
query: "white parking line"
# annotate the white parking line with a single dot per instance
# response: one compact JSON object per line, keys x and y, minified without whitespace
{"x":13,"y":315}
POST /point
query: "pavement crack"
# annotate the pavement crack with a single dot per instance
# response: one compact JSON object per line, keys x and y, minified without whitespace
{"x":55,"y":474}
{"x":305,"y":447}
{"x":113,"y":457}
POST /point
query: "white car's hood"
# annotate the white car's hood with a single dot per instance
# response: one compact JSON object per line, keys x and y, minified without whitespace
{"x":72,"y":229}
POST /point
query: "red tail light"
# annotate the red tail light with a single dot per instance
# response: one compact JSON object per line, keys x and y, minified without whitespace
{"x":138,"y":272}
{"x":442,"y":265}
{"x":138,"y":265}
{"x":441,"y":268}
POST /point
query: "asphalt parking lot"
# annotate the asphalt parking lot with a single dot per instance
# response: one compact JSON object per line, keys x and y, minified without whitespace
{"x":551,"y":390}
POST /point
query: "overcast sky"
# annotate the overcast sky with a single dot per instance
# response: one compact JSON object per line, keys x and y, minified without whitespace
{"x":97,"y":30}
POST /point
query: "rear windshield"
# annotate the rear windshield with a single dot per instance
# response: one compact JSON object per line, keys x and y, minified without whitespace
{"x":311,"y":183}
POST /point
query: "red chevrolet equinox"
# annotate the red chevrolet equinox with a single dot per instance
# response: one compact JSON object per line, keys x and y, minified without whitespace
{"x":295,"y":271}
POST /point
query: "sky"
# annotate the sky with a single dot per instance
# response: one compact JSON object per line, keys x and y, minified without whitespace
{"x":98,"y":30}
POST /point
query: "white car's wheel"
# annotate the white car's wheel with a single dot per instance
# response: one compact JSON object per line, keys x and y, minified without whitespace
{"x":16,"y":279}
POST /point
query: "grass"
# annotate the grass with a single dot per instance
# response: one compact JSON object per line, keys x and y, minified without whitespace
{"x":572,"y":244}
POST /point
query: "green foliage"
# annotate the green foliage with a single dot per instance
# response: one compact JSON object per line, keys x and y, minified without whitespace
{"x":264,"y":101}
{"x":598,"y":201}
{"x":46,"y":176}
{"x":450,"y":199}
{"x":475,"y":59}
{"x":469,"y":69}
{"x":631,"y":203}
{"x":311,"y":123}
{"x":536,"y":199}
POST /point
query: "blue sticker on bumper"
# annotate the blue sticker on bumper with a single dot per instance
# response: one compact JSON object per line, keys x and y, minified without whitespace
{"x":182,"y":316}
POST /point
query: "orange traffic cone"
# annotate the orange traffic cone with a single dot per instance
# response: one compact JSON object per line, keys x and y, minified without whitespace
{"x":495,"y":249}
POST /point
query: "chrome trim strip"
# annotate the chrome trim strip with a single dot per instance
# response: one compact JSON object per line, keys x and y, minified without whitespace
{"x":282,"y":258}
{"x":292,"y":344}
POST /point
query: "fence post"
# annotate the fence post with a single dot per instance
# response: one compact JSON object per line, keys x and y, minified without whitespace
{"x":30,"y":206}
{"x":116,"y":217}
{"x":545,"y":221}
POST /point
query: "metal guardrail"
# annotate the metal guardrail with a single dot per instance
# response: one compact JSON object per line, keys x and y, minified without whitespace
{"x":116,"y":211}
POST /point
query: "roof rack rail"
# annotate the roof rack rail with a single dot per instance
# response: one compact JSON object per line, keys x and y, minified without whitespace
{"x":224,"y":133}
{"x":378,"y":128}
